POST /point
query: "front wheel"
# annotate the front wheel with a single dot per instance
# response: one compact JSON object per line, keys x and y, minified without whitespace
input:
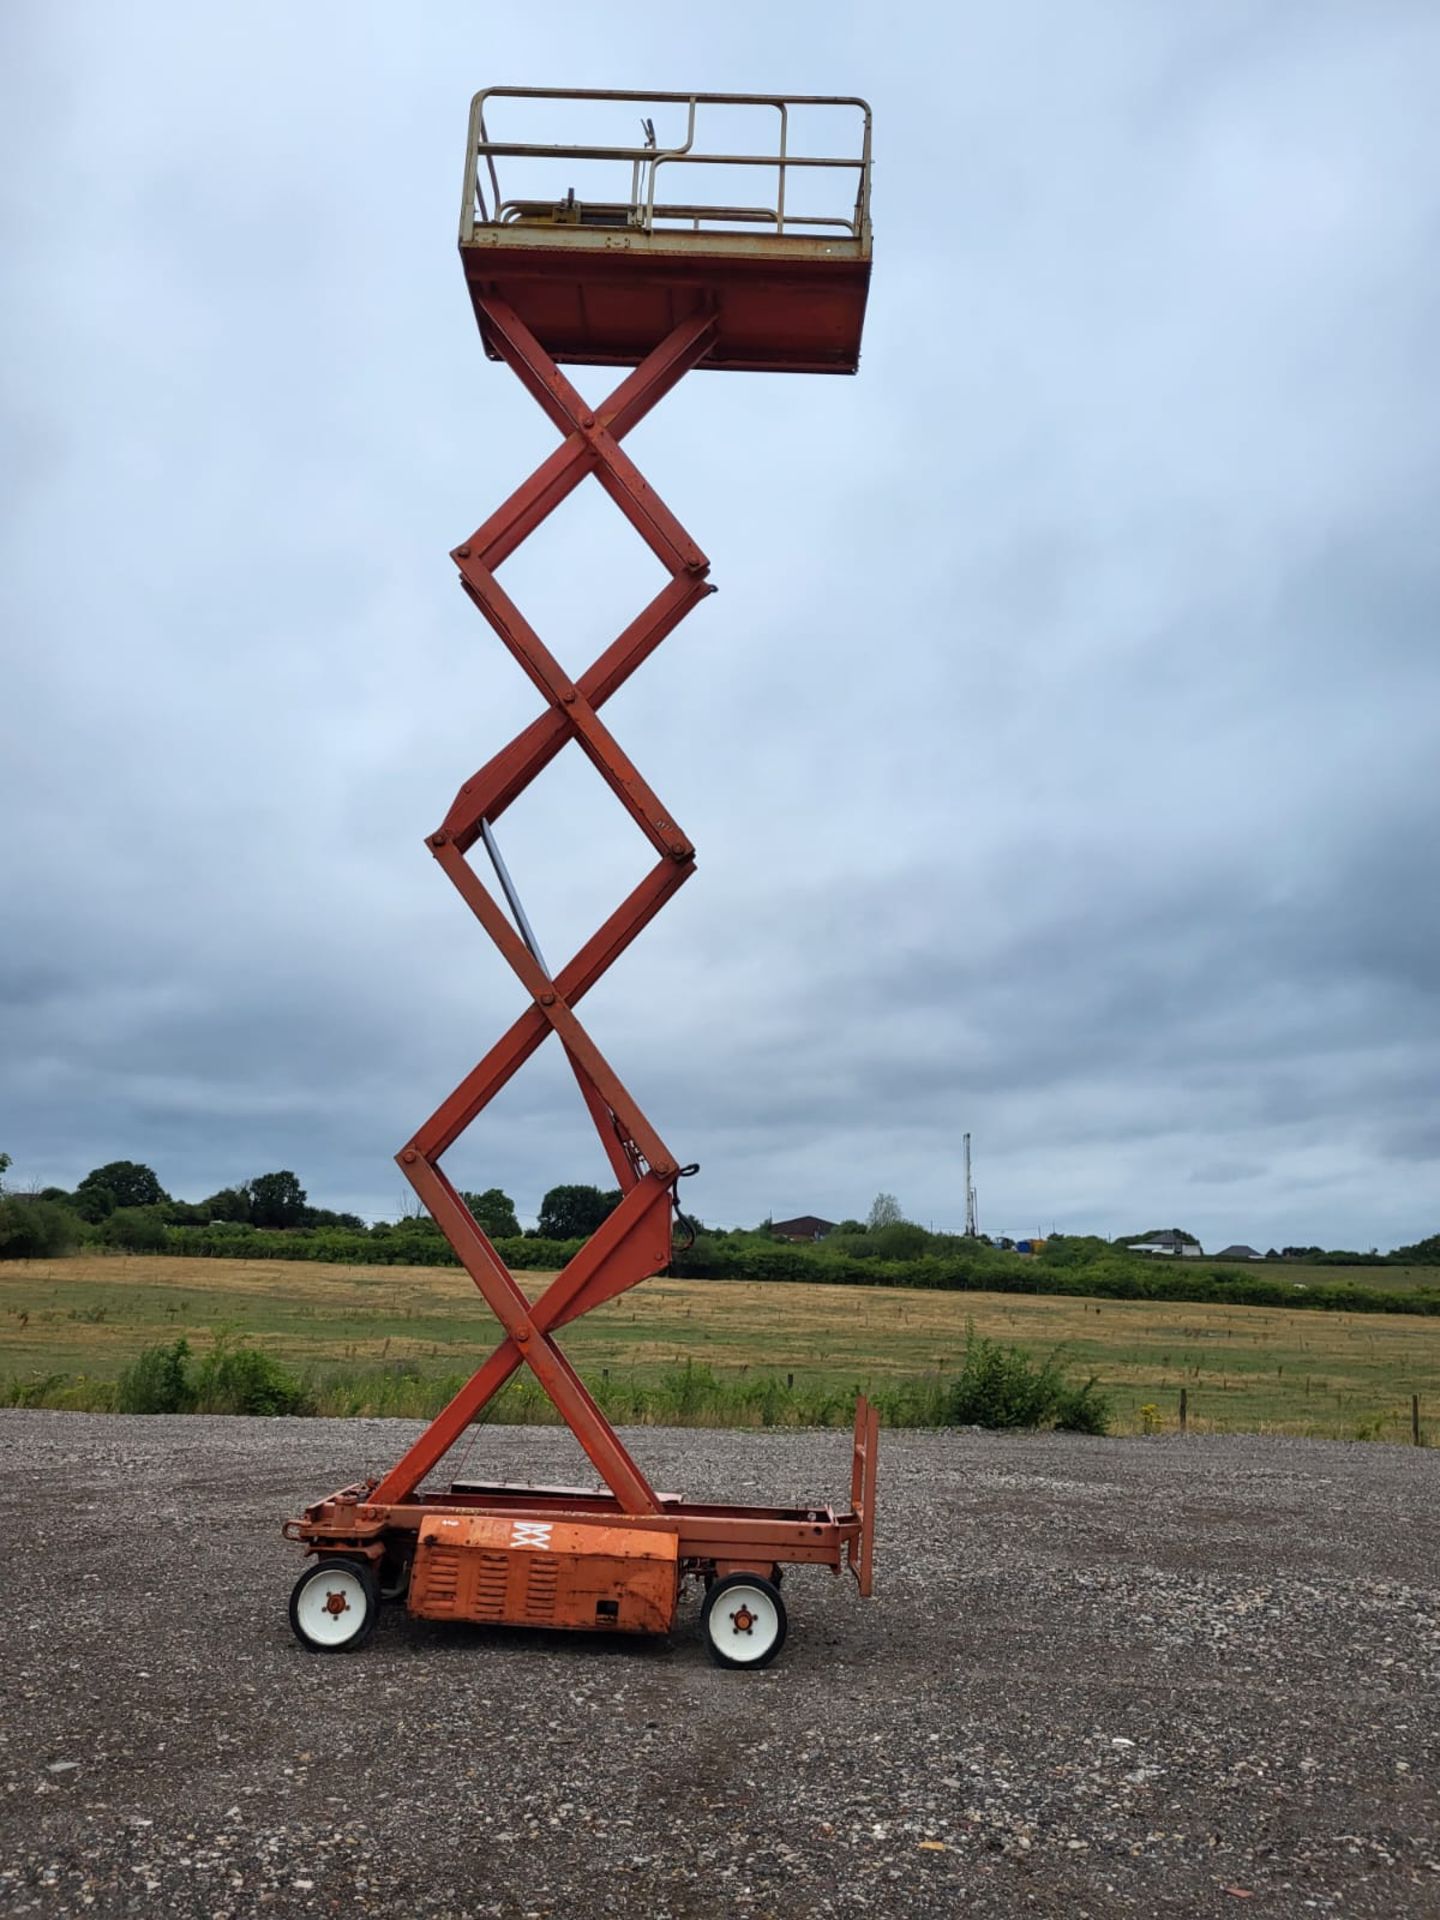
{"x":743,"y":1620}
{"x":334,"y":1605}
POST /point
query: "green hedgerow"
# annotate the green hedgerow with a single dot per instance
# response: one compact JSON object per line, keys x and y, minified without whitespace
{"x":157,"y":1383}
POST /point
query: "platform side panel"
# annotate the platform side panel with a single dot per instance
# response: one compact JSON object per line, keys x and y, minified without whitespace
{"x":541,"y":1573}
{"x":800,"y":316}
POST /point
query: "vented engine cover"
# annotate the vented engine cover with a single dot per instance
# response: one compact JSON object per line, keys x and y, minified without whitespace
{"x":544,"y":1573}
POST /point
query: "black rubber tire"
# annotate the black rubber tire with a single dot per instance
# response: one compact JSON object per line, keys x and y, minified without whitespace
{"x":335,"y":1563}
{"x":715,"y":1597}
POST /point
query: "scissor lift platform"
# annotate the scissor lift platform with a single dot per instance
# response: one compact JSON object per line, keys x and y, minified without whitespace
{"x":598,"y":280}
{"x":661,"y":286}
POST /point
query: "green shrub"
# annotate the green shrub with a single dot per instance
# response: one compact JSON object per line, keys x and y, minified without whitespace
{"x":38,"y":1391}
{"x":236,"y":1378}
{"x":685,"y":1390}
{"x":1083,"y":1409}
{"x":913,"y":1403}
{"x":1002,"y":1387}
{"x":62,"y":1392}
{"x":232,"y":1378}
{"x":35,"y":1229}
{"x":902,"y":1240}
{"x":157,"y":1383}
{"x":135,"y":1230}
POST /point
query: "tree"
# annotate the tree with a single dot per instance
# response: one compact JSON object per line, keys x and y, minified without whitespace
{"x":5,"y":1164}
{"x":326,"y":1217}
{"x":230,"y":1203}
{"x":572,"y":1213}
{"x":126,"y":1182}
{"x":885,"y":1212}
{"x":184,"y":1213}
{"x":1073,"y":1250}
{"x":899,"y":1241}
{"x":34,"y":1229}
{"x":494,"y":1212}
{"x":276,"y":1200}
{"x":93,"y":1204}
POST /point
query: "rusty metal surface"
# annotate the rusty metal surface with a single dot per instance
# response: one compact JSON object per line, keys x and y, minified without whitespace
{"x":704,"y":1537}
{"x":739,"y":1535}
{"x":599,"y":279}
{"x":635,"y":1241}
{"x":799,"y":311}
{"x":860,"y":1547}
{"x":475,"y":1553}
{"x":544,"y":1573}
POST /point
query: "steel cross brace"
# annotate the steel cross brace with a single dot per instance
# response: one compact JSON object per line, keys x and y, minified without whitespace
{"x":634,"y":1242}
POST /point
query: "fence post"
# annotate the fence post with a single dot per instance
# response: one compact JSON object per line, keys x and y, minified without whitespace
{"x":1415,"y":1418}
{"x":1184,"y":1409}
{"x":789,"y":1379}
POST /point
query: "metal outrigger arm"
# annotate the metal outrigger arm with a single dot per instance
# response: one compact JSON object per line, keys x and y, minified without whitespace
{"x":614,"y":1557}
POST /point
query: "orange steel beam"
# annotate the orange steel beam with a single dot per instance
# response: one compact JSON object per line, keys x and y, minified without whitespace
{"x":635,"y":1241}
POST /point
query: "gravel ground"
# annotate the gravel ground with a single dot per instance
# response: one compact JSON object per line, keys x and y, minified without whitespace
{"x":1098,"y":1677}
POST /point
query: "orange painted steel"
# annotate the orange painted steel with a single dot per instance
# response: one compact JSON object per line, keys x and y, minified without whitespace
{"x":612,"y":1557}
{"x":544,"y":1573}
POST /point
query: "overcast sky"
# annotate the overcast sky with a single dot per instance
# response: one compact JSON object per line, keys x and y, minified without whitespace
{"x":1060,"y":748}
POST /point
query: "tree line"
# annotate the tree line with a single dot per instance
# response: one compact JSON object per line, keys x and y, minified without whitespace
{"x":123,"y":1205}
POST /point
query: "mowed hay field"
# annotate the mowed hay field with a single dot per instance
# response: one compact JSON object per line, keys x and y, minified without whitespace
{"x":1253,"y":1369}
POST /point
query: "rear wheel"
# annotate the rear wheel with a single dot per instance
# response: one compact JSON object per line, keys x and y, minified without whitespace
{"x":334,"y":1605}
{"x":743,"y":1621}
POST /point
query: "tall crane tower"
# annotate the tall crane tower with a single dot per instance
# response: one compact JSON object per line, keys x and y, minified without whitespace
{"x":972,"y":1225}
{"x":603,"y":251}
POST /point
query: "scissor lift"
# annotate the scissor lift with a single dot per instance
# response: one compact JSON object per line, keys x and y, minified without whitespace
{"x":626,"y":277}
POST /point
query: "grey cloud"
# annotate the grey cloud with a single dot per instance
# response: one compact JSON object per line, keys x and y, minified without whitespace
{"x":1059,"y":747}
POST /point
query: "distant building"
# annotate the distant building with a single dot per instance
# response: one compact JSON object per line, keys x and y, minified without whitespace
{"x":1238,"y":1252}
{"x":1168,"y":1242}
{"x":806,"y":1226}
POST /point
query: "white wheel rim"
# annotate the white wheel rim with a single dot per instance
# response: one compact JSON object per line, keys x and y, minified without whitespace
{"x":331,"y":1606}
{"x":744,"y":1623}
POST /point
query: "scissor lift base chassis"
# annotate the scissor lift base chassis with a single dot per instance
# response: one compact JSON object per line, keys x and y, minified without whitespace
{"x":531,"y":1539}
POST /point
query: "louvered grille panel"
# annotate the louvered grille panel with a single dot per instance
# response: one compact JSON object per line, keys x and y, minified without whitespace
{"x":540,"y":1588}
{"x":442,"y":1569}
{"x":491,"y":1578}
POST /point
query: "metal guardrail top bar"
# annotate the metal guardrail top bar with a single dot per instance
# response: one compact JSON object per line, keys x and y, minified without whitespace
{"x":639,"y":210}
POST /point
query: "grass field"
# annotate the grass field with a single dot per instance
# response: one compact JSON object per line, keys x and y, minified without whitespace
{"x":1381,"y":1279}
{"x":1244,"y":1368}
